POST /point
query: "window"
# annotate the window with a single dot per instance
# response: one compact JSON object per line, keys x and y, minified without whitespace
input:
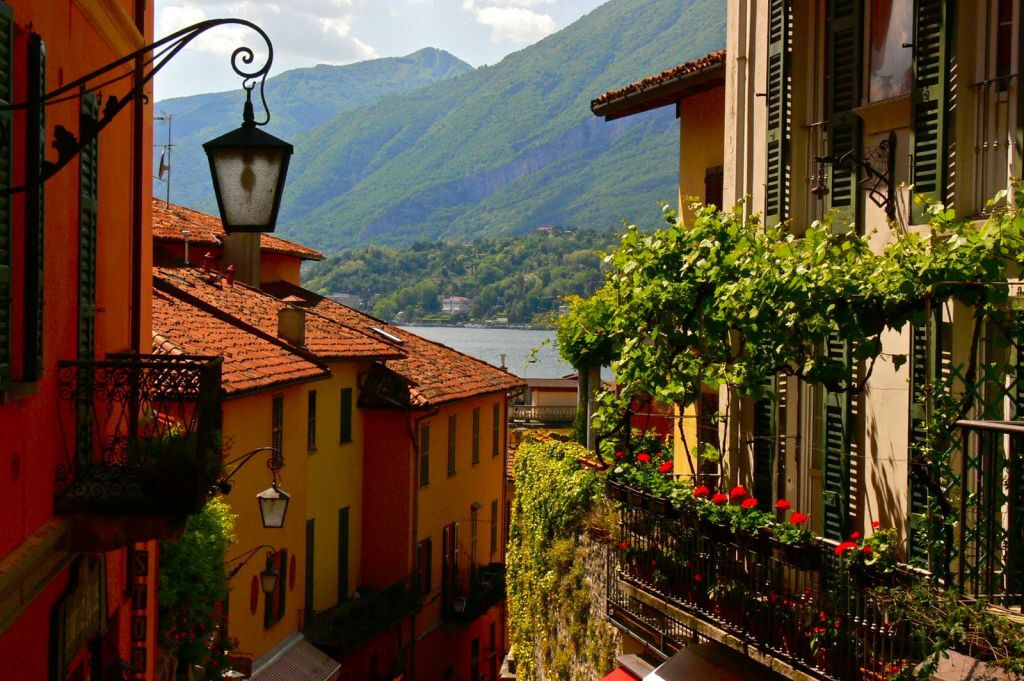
{"x":346,"y":416}
{"x":1004,"y":41}
{"x":713,"y":178}
{"x":494,"y":527}
{"x":451,"y":445}
{"x":424,"y":556}
{"x":449,"y":565}
{"x":277,"y":424}
{"x":343,"y":553}
{"x":495,"y":429}
{"x":34,"y":222}
{"x":892,"y":31}
{"x":88,"y":225}
{"x":274,"y":609}
{"x":476,"y":435}
{"x":424,"y":455}
{"x":311,"y":422}
{"x":474,"y":514}
{"x":310,"y":541}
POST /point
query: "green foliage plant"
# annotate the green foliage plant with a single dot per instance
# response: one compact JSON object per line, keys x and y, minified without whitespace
{"x":193,"y":589}
{"x":553,"y":632}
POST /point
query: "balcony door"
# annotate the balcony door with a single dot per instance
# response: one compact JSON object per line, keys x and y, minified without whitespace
{"x":449,"y":564}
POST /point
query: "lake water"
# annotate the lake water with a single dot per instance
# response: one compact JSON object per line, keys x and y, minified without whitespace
{"x":516,"y":344}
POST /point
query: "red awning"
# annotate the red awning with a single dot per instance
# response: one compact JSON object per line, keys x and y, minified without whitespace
{"x":620,"y":674}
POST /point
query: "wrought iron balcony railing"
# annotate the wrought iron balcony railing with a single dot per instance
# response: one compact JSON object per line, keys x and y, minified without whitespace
{"x":539,"y":414}
{"x":141,"y":435}
{"x":482,"y":591}
{"x":671,"y":579}
{"x":339,"y":629}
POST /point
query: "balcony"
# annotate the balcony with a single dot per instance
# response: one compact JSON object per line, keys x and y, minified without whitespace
{"x":548,"y":416}
{"x":342,"y":628}
{"x":485,"y":589}
{"x":141,"y":440}
{"x":799,"y":612}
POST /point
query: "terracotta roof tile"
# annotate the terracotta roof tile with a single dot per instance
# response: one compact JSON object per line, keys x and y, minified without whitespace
{"x":251,"y":362}
{"x":206,"y":230}
{"x":435,"y":372}
{"x":326,"y":339}
{"x":634,"y":97}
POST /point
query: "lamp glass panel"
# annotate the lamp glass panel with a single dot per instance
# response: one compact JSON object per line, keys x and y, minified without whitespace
{"x":248,"y":183}
{"x":273,"y":506}
{"x":268,"y":580}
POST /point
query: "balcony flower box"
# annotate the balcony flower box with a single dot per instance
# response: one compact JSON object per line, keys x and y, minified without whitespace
{"x":719,"y":533}
{"x":616,"y":490}
{"x":636,"y":497}
{"x":800,"y":556}
{"x":661,"y":506}
{"x":758,"y":542}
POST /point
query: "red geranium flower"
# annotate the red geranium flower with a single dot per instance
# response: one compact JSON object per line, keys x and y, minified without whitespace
{"x":643,"y":457}
{"x":620,"y":454}
{"x":624,"y":546}
{"x":783,"y":505}
{"x":798,"y":518}
{"x":719,"y":499}
{"x":867,"y":550}
{"x":875,"y":525}
{"x":844,"y":547}
{"x":665,"y":467}
{"x":698,"y":578}
{"x":738,"y":492}
{"x":701,"y":492}
{"x":854,"y":536}
{"x":749,"y":503}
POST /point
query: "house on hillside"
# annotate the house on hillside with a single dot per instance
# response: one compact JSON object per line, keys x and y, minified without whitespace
{"x":854,"y":110}
{"x":455,"y":305}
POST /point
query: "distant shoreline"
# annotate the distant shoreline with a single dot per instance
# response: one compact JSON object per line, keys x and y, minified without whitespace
{"x":472,"y":325}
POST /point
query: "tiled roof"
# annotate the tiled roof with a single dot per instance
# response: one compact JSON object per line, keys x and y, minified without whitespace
{"x":251,"y":361}
{"x":206,"y":230}
{"x":326,"y":338}
{"x":660,"y":89}
{"x":435,"y":373}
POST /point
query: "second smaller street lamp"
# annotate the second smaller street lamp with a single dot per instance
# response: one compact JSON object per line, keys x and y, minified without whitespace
{"x":273,"y":506}
{"x":268,"y":580}
{"x":249,"y":168}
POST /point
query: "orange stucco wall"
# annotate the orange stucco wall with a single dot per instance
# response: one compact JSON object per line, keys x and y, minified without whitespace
{"x":79,"y":37}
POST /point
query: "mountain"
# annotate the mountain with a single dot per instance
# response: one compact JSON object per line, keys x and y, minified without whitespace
{"x":300,"y":100}
{"x":506,"y":148}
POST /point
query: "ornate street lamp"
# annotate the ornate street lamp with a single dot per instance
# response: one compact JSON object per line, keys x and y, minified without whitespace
{"x":268,"y":580}
{"x":273,"y":506}
{"x":273,"y":501}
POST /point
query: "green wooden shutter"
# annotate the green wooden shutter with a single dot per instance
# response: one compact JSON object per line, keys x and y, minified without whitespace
{"x":88,"y":183}
{"x":845,"y":61}
{"x":836,"y":445}
{"x":764,"y":435}
{"x":921,"y":358}
{"x":930,"y":99}
{"x":6,"y":122}
{"x":345,"y":434}
{"x":776,"y":196}
{"x":310,"y":555}
{"x":476,"y":435}
{"x":343,"y":553}
{"x":35,"y":219}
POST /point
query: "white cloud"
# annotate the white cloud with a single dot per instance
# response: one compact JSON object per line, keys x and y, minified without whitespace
{"x":516,"y":24}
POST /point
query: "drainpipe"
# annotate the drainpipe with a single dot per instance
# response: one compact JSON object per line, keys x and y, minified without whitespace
{"x":138,"y":144}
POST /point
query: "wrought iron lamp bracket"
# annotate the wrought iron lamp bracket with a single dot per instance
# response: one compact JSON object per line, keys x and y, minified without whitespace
{"x":154,"y":57}
{"x":876,"y":173}
{"x":274,"y":462}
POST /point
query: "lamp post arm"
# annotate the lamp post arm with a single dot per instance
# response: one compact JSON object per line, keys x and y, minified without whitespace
{"x":155,"y":56}
{"x":274,"y":463}
{"x":245,"y":558}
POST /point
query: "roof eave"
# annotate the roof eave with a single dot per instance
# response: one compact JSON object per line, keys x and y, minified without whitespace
{"x":662,"y":94}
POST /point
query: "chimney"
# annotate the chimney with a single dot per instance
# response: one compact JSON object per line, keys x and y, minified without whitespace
{"x":242,"y":249}
{"x":291,"y":322}
{"x":186,"y":234}
{"x":230,"y":278}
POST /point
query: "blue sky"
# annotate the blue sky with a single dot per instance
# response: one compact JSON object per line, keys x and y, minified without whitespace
{"x":308,"y":32}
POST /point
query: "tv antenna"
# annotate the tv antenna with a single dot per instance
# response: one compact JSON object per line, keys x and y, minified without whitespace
{"x":165,"y":157}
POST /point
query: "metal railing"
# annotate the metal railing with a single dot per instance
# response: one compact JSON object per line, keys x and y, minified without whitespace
{"x":542,"y":414}
{"x":339,"y":629}
{"x":141,"y":434}
{"x":993,"y":137}
{"x":477,"y":589}
{"x":801,"y":606}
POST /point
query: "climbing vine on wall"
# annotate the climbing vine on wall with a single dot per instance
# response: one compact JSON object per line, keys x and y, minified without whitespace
{"x":555,"y":630}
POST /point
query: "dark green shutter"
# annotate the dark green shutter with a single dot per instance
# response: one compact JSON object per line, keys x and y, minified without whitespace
{"x":346,"y":415}
{"x":845,"y":61}
{"x":930,"y":99}
{"x":836,"y":445}
{"x":342,"y":554}
{"x":921,"y":358}
{"x":35,"y":219}
{"x":476,"y":435}
{"x":310,"y":552}
{"x":776,"y":196}
{"x":6,"y":123}
{"x":88,"y":185}
{"x":764,"y":435}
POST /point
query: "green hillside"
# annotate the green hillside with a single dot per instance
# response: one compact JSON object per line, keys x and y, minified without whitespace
{"x":300,"y":100}
{"x":521,"y":278}
{"x":506,"y":148}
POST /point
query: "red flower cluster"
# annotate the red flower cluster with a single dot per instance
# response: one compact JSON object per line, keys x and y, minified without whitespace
{"x":783,"y":505}
{"x":619,"y":454}
{"x":854,"y":536}
{"x":875,"y":524}
{"x":867,"y":550}
{"x":665,"y":467}
{"x":798,"y":518}
{"x":738,"y":492}
{"x":623,"y":546}
{"x":701,"y":492}
{"x":643,"y":457}
{"x":749,"y":504}
{"x":719,"y":499}
{"x":845,"y":546}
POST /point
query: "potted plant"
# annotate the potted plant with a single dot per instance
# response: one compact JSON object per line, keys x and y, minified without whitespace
{"x":794,"y":540}
{"x":716,"y":518}
{"x":750,"y":525}
{"x":873,"y":560}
